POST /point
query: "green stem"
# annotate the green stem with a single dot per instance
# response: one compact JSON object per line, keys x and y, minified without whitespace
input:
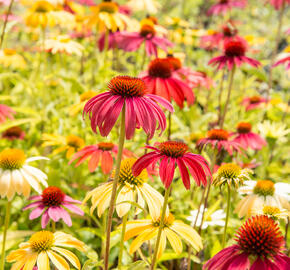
{"x":143,"y":58}
{"x":220,"y":96}
{"x":125,"y":218}
{"x":114,"y":189}
{"x":5,"y":23}
{"x":227,"y":216}
{"x":6,"y":224}
{"x":52,"y":226}
{"x":228,"y":96}
{"x":169,"y":126}
{"x":166,"y":196}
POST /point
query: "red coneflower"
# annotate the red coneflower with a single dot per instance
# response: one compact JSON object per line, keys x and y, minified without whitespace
{"x":13,"y":133}
{"x":160,"y":80}
{"x":259,"y":247}
{"x":99,"y":153}
{"x":234,"y":54}
{"x":253,"y":102}
{"x":278,"y":4}
{"x":172,"y":153}
{"x":141,"y":109}
{"x":219,"y":139}
{"x":224,"y":5}
{"x":6,"y":112}
{"x":248,"y":139}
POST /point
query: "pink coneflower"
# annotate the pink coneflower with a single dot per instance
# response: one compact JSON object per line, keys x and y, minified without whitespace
{"x":86,"y":2}
{"x":141,"y":108}
{"x":219,"y":139}
{"x":131,"y":42}
{"x":13,"y":133}
{"x":253,"y":102}
{"x":277,"y":4}
{"x":160,"y":80}
{"x":112,"y":42}
{"x":6,"y":112}
{"x":103,"y":153}
{"x":248,"y":139}
{"x":285,"y":60}
{"x":249,"y":165}
{"x":225,"y":5}
{"x":259,"y":247}
{"x":172,"y":153}
{"x":234,"y":54}
{"x":192,"y":78}
{"x":52,"y":204}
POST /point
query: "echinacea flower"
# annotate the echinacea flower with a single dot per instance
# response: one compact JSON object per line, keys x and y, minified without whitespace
{"x":131,"y":41}
{"x":130,"y":187}
{"x":260,"y":244}
{"x":173,"y":230}
{"x":53,"y":204}
{"x":219,"y":139}
{"x":273,"y":212}
{"x":84,"y":97}
{"x":172,"y":153}
{"x":102,"y":153}
{"x":69,"y":144}
{"x":274,"y":130}
{"x":16,"y":176}
{"x":278,"y":4}
{"x":253,"y":102}
{"x":112,"y":42}
{"x":222,"y":6}
{"x":263,"y":192}
{"x":151,"y":6}
{"x":13,"y":133}
{"x":248,"y":139}
{"x":10,"y":58}
{"x":211,"y":219}
{"x":44,"y":247}
{"x":285,"y":60}
{"x":6,"y":112}
{"x":160,"y":81}
{"x":234,"y":55}
{"x":141,"y":109}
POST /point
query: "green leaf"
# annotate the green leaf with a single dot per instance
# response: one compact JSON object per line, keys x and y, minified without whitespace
{"x":92,"y":264}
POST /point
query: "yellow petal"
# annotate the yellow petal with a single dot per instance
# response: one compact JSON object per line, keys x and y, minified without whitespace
{"x":59,"y":262}
{"x":174,"y":240}
{"x":69,"y":256}
{"x":162,"y":245}
{"x":43,"y":261}
{"x":30,"y":262}
{"x":125,"y":194}
{"x":136,"y":229}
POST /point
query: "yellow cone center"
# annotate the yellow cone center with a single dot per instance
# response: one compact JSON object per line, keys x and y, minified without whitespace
{"x":12,"y":159}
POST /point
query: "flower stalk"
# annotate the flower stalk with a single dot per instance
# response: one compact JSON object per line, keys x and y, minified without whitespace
{"x":5,"y":23}
{"x":227,"y":216}
{"x":125,"y":218}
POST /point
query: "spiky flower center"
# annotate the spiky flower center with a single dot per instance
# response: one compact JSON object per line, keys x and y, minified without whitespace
{"x":218,"y":134}
{"x":43,"y":7}
{"x":264,"y":188}
{"x":175,"y":62}
{"x":106,"y":146}
{"x":229,"y":31}
{"x":13,"y":132}
{"x":52,"y":196}
{"x":41,"y":241}
{"x":87,"y":95}
{"x":167,"y":221}
{"x":260,"y":236}
{"x":108,"y":7}
{"x":74,"y":141}
{"x":12,"y":159}
{"x":235,"y":48}
{"x":9,"y":52}
{"x":127,"y":86}
{"x":244,"y":127}
{"x":223,"y":1}
{"x":271,"y":210}
{"x":173,"y":148}
{"x":160,"y":68}
{"x":229,"y":171}
{"x":146,"y":30}
{"x":255,"y":99}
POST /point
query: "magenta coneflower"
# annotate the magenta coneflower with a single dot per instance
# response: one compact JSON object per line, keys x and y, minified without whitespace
{"x":259,"y":247}
{"x":234,"y":54}
{"x":219,"y":139}
{"x":103,"y":153}
{"x":222,"y":6}
{"x":277,"y":4}
{"x":161,"y":81}
{"x":13,"y":133}
{"x":112,"y":43}
{"x":86,"y":2}
{"x":52,"y":204}
{"x":141,"y":108}
{"x":253,"y":102}
{"x":285,"y":60}
{"x":131,"y":42}
{"x":248,"y":139}
{"x":6,"y":112}
{"x":172,"y":153}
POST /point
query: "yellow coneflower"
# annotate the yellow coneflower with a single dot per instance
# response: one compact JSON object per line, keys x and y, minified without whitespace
{"x":10,"y":58}
{"x":271,"y":211}
{"x":43,"y":247}
{"x":172,"y":230}
{"x":84,"y":97}
{"x":69,"y":144}
{"x":129,"y":187}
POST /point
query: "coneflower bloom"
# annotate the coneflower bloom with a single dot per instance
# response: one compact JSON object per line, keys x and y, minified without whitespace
{"x":101,"y":153}
{"x":282,"y":61}
{"x":219,"y":139}
{"x":273,"y":212}
{"x":253,"y":102}
{"x":234,"y":55}
{"x":260,"y":244}
{"x":248,"y":139}
{"x":277,"y":4}
{"x":10,"y":58}
{"x":6,"y":112}
{"x":53,"y":204}
{"x":131,"y":41}
{"x":16,"y":176}
{"x":132,"y":188}
{"x":173,"y":230}
{"x":43,"y":247}
{"x":160,"y":80}
{"x":172,"y":153}
{"x":112,"y":43}
{"x":263,"y":192}
{"x":141,"y":108}
{"x":222,"y":6}
{"x":13,"y":133}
